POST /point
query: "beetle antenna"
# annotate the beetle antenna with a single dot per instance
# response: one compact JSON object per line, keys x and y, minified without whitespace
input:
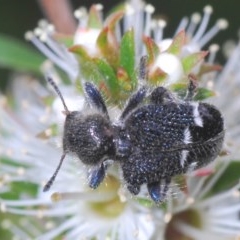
{"x":54,"y":85}
{"x":51,"y":180}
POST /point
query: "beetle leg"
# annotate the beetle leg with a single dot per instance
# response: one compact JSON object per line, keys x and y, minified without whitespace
{"x":154,"y":190}
{"x":97,"y":175}
{"x":157,"y":191}
{"x":134,"y":101}
{"x":95,"y":98}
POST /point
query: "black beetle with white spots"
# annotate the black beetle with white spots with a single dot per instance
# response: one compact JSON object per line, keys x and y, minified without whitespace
{"x":157,"y":137}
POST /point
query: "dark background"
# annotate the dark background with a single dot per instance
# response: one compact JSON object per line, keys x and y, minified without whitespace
{"x":18,"y":16}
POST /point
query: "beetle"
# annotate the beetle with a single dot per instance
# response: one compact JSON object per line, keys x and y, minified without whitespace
{"x":156,"y":137}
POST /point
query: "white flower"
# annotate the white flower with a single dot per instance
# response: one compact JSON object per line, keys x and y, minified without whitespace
{"x":31,"y":148}
{"x":226,"y":85}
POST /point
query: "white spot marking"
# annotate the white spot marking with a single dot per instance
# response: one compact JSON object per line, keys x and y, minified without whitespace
{"x":187,"y":136}
{"x":192,"y":167}
{"x":183,"y":157}
{"x":197,"y":118}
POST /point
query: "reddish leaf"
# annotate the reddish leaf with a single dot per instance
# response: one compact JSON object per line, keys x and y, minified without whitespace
{"x":152,"y":49}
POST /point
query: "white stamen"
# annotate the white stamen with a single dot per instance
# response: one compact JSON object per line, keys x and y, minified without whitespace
{"x":149,"y":9}
{"x":66,"y":225}
{"x":214,"y":179}
{"x":217,"y":198}
{"x":43,"y":23}
{"x":190,"y":200}
{"x":193,"y":232}
{"x":228,"y":47}
{"x":25,"y":104}
{"x":6,"y":224}
{"x":182,"y":25}
{"x":219,"y":212}
{"x":213,"y":49}
{"x":29,"y":35}
{"x":167,"y":217}
{"x":38,"y":31}
{"x":128,"y":18}
{"x":31,"y":226}
{"x":82,"y":16}
{"x":50,"y":28}
{"x":17,"y":231}
{"x":20,"y":171}
{"x":207,"y":13}
{"x":195,"y":19}
{"x":99,"y":6}
{"x":129,"y":9}
{"x":122,"y":195}
{"x":62,"y":63}
{"x":236,"y":194}
{"x":50,"y":225}
{"x":43,"y":37}
{"x":161,"y":23}
{"x":2,"y":207}
{"x":24,"y":203}
{"x":196,"y":189}
{"x":3,"y":101}
{"x":221,"y":24}
{"x":80,"y":13}
{"x":208,"y":9}
{"x":158,"y":30}
{"x":91,"y":196}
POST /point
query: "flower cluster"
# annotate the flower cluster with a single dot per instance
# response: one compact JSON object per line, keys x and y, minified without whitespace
{"x":111,"y":53}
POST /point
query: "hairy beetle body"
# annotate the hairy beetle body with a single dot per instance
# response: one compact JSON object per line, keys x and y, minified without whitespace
{"x":156,"y":138}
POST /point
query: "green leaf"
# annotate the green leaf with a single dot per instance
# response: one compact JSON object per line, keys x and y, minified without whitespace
{"x":80,"y":51}
{"x":228,"y":179}
{"x":127,"y":56}
{"x":191,"y":61}
{"x":125,"y":84}
{"x":179,"y":88}
{"x":108,"y":49}
{"x":177,"y":44}
{"x":203,"y":93}
{"x":19,"y":56}
{"x":109,"y":76}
